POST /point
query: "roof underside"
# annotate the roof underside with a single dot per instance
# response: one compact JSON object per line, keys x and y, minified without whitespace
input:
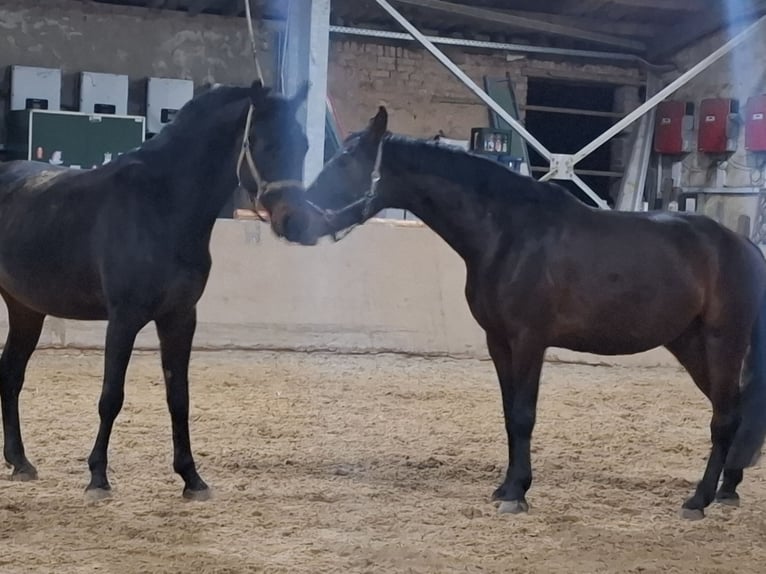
{"x":654,"y":29}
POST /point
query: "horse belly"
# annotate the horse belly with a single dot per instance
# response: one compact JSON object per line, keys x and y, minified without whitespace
{"x":619,"y":312}
{"x":69,"y":295}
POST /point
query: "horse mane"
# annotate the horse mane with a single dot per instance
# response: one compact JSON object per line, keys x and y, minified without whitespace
{"x":471,"y":171}
{"x":201,"y":106}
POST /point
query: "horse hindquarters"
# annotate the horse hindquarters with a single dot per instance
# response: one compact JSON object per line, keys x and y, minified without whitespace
{"x":747,"y":443}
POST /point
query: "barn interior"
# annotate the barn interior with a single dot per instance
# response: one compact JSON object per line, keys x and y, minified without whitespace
{"x":631,"y":105}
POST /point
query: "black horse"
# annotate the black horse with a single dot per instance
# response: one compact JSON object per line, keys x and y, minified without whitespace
{"x":544,"y":269}
{"x":128,"y":242}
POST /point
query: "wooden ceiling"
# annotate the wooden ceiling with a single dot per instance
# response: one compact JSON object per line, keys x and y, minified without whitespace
{"x":654,"y":29}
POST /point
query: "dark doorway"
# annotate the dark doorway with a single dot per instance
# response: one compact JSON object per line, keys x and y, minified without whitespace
{"x":567,"y":131}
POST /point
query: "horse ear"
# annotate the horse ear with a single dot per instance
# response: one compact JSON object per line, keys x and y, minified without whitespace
{"x":379,"y":124}
{"x":258,"y":91}
{"x":300,"y":96}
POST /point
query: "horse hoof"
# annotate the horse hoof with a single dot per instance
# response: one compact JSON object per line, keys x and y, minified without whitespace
{"x":729,"y":499}
{"x":692,"y":513}
{"x":24,"y":475}
{"x":197,"y":495}
{"x":96,"y":494}
{"x":513,"y":507}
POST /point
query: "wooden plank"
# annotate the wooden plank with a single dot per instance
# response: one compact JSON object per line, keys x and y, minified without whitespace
{"x":572,"y":111}
{"x":578,"y":75}
{"x":525,"y":23}
{"x":249,"y":215}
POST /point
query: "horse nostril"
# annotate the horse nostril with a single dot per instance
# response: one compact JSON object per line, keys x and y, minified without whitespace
{"x":286,"y":225}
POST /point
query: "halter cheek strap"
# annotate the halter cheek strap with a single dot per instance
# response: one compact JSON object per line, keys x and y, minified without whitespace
{"x":245,"y":155}
{"x":365,"y":201}
{"x":375,"y":177}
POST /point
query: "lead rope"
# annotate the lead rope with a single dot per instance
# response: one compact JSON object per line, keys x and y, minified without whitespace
{"x":252,"y":41}
{"x":245,"y":154}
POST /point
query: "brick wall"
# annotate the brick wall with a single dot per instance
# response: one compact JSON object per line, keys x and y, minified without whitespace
{"x":422,"y":97}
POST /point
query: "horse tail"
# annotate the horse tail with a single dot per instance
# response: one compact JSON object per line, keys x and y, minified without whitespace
{"x":746,"y":447}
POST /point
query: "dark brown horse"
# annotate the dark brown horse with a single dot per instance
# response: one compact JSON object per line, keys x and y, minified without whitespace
{"x":128,"y":242}
{"x":545,"y":270}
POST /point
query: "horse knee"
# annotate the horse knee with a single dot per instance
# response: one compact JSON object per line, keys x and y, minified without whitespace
{"x":110,"y":403}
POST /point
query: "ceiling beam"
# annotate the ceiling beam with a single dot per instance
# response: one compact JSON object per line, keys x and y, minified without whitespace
{"x":198,"y":6}
{"x":593,"y":22}
{"x":525,"y":23}
{"x":233,"y":8}
{"x":583,"y":6}
{"x":676,"y":5}
{"x":697,"y":27}
{"x":591,"y":7}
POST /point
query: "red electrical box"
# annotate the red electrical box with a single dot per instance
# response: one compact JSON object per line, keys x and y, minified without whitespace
{"x":755,"y":123}
{"x":673,"y":127}
{"x":718,"y":125}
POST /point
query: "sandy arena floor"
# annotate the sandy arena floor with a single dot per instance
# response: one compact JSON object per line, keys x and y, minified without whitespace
{"x":371,"y":464}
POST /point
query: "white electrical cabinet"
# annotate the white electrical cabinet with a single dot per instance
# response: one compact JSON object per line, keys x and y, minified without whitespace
{"x":103,"y":93}
{"x":164,"y":97}
{"x":35,"y":88}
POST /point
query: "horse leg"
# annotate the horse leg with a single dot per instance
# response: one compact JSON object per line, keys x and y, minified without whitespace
{"x":121,"y":335}
{"x":691,"y":353}
{"x":727,"y":494}
{"x":24,"y":331}
{"x":724,"y":356}
{"x":176,"y":333}
{"x":518,"y":367}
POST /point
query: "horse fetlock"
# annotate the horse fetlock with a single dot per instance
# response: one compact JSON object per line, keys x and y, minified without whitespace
{"x":727,"y":498}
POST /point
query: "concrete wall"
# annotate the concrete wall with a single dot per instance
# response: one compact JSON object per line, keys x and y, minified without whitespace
{"x":90,"y":36}
{"x":390,"y":287}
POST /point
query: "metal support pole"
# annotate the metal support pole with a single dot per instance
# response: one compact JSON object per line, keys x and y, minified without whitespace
{"x":590,"y":193}
{"x":450,"y":65}
{"x":669,"y":89}
{"x":307,"y":42}
{"x":631,"y":192}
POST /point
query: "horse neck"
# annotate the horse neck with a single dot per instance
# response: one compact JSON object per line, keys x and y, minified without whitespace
{"x":465,"y":219}
{"x":201,"y":174}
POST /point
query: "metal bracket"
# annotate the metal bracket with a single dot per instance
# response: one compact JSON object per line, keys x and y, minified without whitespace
{"x":561,"y":167}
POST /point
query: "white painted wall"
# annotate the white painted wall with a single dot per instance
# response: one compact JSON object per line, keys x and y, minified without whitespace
{"x":739,"y":74}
